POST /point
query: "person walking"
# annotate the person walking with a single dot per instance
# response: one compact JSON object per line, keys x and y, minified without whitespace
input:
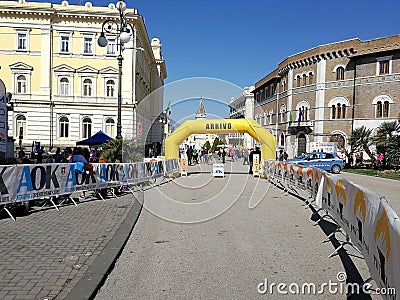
{"x":189,"y":153}
{"x":245,"y":154}
{"x":232,"y":153}
{"x":223,"y":154}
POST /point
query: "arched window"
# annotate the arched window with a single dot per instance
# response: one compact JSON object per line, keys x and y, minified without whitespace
{"x":21,"y":127}
{"x":271,"y":112}
{"x":284,"y":85}
{"x":304,"y":79}
{"x":298,"y":81}
{"x":339,"y":110}
{"x":310,"y":78}
{"x":64,"y":127}
{"x":64,"y":87}
{"x":304,"y":113}
{"x":338,"y":106}
{"x":110,"y":88}
{"x":386,"y":109}
{"x":265,"y":119}
{"x":87,"y":87}
{"x":21,"y":84}
{"x":340,"y":73}
{"x":302,"y":108}
{"x":282,"y":112}
{"x":110,"y":127}
{"x":86,"y":128}
{"x":378,"y":109}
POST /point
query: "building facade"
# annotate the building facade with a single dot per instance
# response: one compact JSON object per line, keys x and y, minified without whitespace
{"x":242,"y":107}
{"x":322,"y":94}
{"x":64,"y":86}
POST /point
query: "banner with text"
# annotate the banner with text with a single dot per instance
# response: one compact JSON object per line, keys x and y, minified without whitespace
{"x":29,"y":182}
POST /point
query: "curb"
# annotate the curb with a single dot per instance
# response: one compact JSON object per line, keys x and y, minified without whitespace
{"x":102,"y":266}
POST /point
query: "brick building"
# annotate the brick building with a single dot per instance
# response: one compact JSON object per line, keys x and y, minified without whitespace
{"x":322,"y":94}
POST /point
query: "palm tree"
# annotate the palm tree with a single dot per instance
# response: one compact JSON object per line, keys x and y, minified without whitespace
{"x":385,"y":133}
{"x":361,"y":139}
{"x":393,"y":153}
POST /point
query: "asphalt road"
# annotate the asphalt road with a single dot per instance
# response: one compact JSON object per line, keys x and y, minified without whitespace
{"x":200,"y":237}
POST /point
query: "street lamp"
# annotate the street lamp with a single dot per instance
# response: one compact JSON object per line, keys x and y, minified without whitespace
{"x":164,"y":120}
{"x":124,"y":31}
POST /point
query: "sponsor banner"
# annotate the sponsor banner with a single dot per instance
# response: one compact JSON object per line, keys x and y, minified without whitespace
{"x":371,"y":224}
{"x":29,"y":182}
{"x":218,"y":170}
{"x":304,"y":178}
{"x":171,"y":166}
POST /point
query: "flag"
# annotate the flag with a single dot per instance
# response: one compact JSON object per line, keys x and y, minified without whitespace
{"x":169,"y":108}
{"x":300,"y":115}
{"x":290,"y":117}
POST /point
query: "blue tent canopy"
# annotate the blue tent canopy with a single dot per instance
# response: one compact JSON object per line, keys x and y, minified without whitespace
{"x":96,"y":139}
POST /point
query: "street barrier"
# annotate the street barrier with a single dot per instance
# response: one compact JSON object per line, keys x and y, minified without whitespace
{"x":19,"y":183}
{"x":369,"y":223}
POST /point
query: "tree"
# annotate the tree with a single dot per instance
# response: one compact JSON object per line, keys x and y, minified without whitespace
{"x":385,"y":134}
{"x":119,"y":150}
{"x":361,"y":140}
{"x":388,"y":141}
{"x":215,"y":144}
{"x":207,"y":145}
{"x":393,"y":153}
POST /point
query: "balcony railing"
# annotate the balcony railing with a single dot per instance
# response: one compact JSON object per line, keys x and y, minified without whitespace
{"x":303,"y":126}
{"x":307,"y":123}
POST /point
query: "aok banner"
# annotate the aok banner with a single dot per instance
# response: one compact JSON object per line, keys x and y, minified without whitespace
{"x":372,"y":225}
{"x":28,"y":182}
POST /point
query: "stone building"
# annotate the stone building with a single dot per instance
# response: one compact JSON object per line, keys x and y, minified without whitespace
{"x":323,"y":93}
{"x":242,"y":107}
{"x":64,"y":85}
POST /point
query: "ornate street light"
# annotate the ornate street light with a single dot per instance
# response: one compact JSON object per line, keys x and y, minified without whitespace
{"x":124,"y":31}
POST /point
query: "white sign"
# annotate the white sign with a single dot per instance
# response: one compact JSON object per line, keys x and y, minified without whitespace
{"x":218,"y":170}
{"x":323,"y":147}
{"x":256,"y":165}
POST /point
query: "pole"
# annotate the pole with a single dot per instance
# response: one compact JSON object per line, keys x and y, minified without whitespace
{"x":134,"y":54}
{"x":119,"y":125}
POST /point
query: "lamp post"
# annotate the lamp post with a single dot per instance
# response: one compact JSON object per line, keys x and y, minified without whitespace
{"x":164,"y":120}
{"x":124,"y":31}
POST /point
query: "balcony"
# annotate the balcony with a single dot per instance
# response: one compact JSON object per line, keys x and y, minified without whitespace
{"x":302,"y":126}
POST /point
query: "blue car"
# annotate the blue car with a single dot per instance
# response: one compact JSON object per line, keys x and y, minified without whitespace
{"x":322,"y":160}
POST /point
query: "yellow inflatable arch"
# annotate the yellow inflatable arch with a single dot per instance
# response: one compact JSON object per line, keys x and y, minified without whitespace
{"x":223,"y":126}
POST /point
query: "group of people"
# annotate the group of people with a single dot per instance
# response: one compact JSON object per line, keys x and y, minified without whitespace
{"x":92,"y":155}
{"x":196,"y":156}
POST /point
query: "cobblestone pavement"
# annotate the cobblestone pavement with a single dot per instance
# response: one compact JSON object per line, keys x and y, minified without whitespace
{"x":46,"y":253}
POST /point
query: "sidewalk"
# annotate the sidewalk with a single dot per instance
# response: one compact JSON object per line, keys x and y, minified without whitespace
{"x":50,"y":254}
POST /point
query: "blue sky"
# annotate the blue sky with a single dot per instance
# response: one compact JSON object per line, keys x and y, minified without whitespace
{"x":242,"y":41}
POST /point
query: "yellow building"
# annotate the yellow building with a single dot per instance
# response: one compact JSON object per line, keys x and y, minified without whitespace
{"x":64,"y":86}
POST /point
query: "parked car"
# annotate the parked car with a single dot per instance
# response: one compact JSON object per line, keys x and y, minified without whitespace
{"x":323,"y":160}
